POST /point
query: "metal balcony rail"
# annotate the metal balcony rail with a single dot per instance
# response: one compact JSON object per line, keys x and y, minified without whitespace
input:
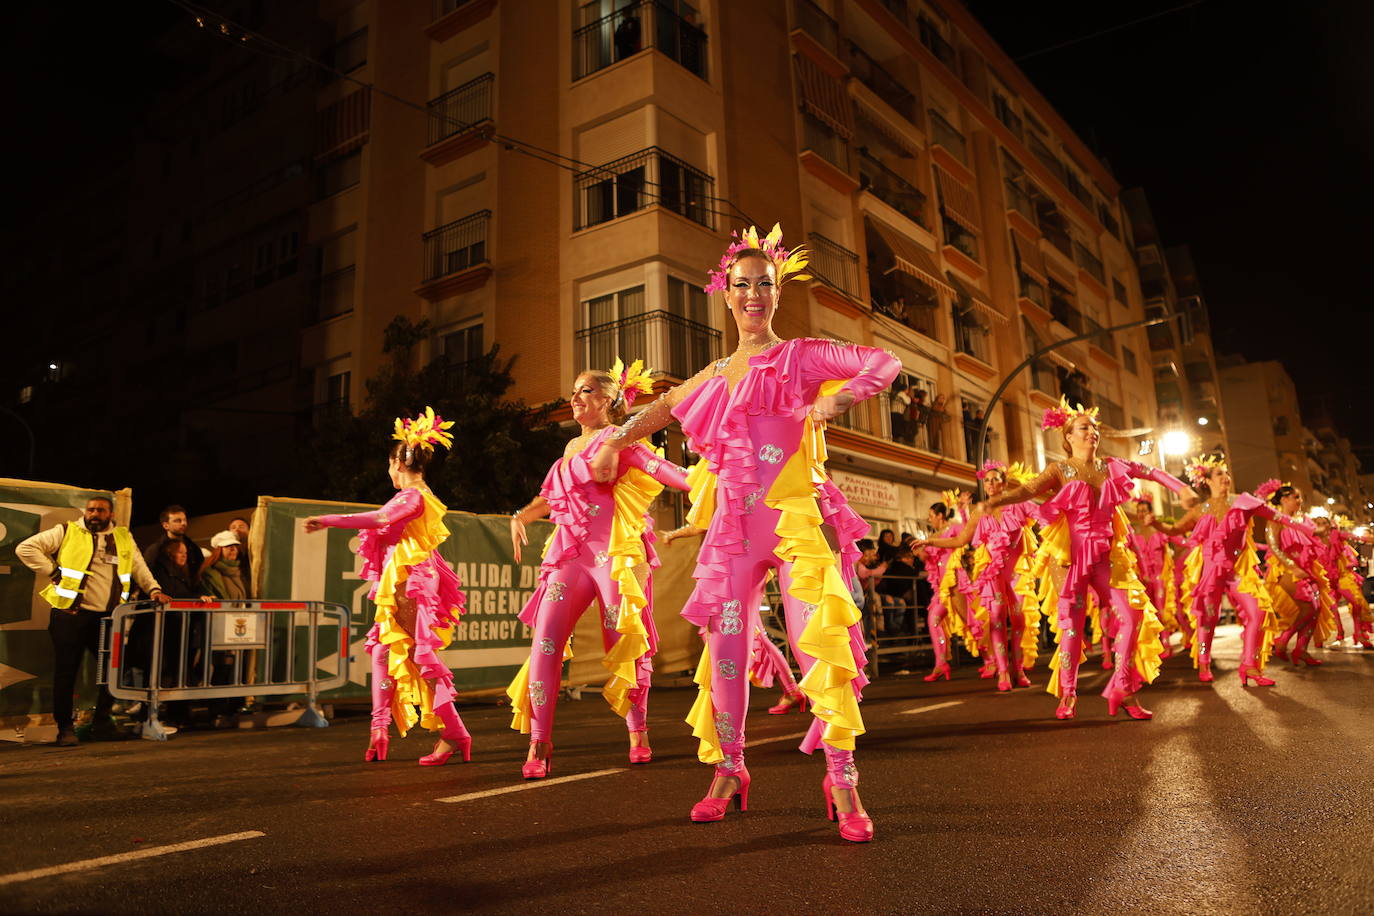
{"x":942,"y":133}
{"x":1104,"y":342}
{"x":1112,"y":414}
{"x":1002,"y":109}
{"x":1019,"y":200}
{"x":834,"y":265}
{"x":631,"y":29}
{"x":1089,"y":262}
{"x":901,"y":298}
{"x":461,"y":108}
{"x":675,"y":345}
{"x":891,"y":188}
{"x":1066,"y":313}
{"x":817,"y":23}
{"x":188,"y":650}
{"x":456,"y":246}
{"x":443,"y":7}
{"x":334,"y":293}
{"x":820,"y":139}
{"x":884,"y":85}
{"x":930,"y":37}
{"x":631,"y":183}
{"x":969,"y":336}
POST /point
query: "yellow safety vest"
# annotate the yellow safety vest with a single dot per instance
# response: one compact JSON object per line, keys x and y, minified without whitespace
{"x":74,"y":560}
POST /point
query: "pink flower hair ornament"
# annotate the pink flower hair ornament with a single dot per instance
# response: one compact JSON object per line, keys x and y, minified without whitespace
{"x":1063,"y":415}
{"x":788,"y":265}
{"x":633,"y":380}
{"x":424,"y":432}
{"x":992,"y":464}
{"x":1269,"y":488}
{"x":1201,"y":468}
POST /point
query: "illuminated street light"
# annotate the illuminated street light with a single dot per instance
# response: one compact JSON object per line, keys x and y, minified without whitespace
{"x":1331,"y":500}
{"x":1201,"y":421}
{"x":52,"y":365}
{"x":1176,"y":442}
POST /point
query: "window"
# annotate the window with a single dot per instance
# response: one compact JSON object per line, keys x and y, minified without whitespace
{"x":1128,"y":360}
{"x":1006,"y":114}
{"x":611,"y":330}
{"x":338,"y":174}
{"x":613,"y":30}
{"x":1119,"y":291}
{"x":917,"y":416}
{"x":631,"y":183}
{"x":687,"y":300}
{"x":959,"y":237}
{"x":334,"y":272}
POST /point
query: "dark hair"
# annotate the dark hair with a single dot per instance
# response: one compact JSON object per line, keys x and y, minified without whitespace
{"x":940,"y":509}
{"x":610,"y":387}
{"x":174,"y":543}
{"x":905,"y":552}
{"x":866,"y":544}
{"x":1286,"y":490}
{"x":412,"y":459}
{"x":906,"y":536}
{"x":238,"y":518}
{"x":104,"y":499}
{"x":886,"y":531}
{"x":169,"y":511}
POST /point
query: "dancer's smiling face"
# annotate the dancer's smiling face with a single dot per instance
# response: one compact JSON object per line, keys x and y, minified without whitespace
{"x":995,"y":482}
{"x":590,"y":403}
{"x":1291,"y":504}
{"x":752,"y":294}
{"x":1082,"y":433}
{"x":1220,"y":480}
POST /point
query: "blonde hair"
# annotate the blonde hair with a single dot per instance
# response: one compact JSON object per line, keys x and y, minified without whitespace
{"x":616,"y":413}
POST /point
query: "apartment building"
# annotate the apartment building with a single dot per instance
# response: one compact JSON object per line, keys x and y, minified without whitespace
{"x":1267,"y":435}
{"x":570,"y":185}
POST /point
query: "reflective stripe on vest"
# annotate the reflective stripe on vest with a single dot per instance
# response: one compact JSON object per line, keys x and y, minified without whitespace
{"x":74,"y":559}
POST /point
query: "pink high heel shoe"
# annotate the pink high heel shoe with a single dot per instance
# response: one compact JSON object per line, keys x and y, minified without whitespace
{"x":539,"y":767}
{"x":641,"y":753}
{"x":1281,"y":652}
{"x":1307,"y":659}
{"x":1133,"y":709}
{"x":988,"y":671}
{"x":1260,"y":680}
{"x":789,"y":703}
{"x":437,"y":758}
{"x":1021,"y":679}
{"x":855,"y":826}
{"x":377,"y":748}
{"x":713,"y":809}
{"x":1004,"y":683}
{"x":940,"y":670}
{"x":1065,"y":709}
{"x":1204,"y":673}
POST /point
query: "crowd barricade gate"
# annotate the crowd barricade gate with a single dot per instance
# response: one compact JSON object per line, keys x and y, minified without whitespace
{"x":190,"y":650}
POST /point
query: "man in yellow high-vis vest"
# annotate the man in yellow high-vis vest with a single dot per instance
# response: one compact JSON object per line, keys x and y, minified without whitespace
{"x":91,"y":564}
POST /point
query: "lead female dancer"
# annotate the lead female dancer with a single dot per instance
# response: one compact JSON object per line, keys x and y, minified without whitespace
{"x":1090,"y":493}
{"x":1298,"y":584}
{"x":600,"y":551}
{"x":1003,"y":543}
{"x":1221,"y":563}
{"x":418,"y":597}
{"x":755,"y":417}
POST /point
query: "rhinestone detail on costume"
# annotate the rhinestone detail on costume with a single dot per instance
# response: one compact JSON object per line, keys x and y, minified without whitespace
{"x":725,"y":729}
{"x":770,"y":453}
{"x":556,"y":590}
{"x":652,"y":465}
{"x":546,"y":646}
{"x":727,"y":669}
{"x":593,"y":510}
{"x":537,"y":695}
{"x":611,"y":616}
{"x":602,"y":558}
{"x":731,"y":624}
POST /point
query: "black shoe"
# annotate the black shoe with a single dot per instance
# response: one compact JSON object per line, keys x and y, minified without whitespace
{"x":66,"y":737}
{"x":104,"y":729}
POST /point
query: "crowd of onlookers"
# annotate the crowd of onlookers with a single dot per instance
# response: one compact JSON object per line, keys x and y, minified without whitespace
{"x":892,"y":578}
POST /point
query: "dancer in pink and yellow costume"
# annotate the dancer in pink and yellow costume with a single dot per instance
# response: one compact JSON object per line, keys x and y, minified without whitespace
{"x":1154,"y":564}
{"x":418,"y":597}
{"x":1340,"y":561}
{"x":1223,"y":563}
{"x":1003,"y":545}
{"x":757,"y":417}
{"x":601,"y":551}
{"x":1299,"y":587}
{"x":947,"y":617}
{"x":1084,"y":524}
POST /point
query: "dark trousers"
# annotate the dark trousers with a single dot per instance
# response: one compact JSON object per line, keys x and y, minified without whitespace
{"x":72,"y":636}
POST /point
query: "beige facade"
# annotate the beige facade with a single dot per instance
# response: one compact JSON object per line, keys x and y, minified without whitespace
{"x":574,"y":181}
{"x":1265,"y":425}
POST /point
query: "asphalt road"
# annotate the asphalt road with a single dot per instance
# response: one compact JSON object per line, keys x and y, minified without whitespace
{"x":1229,"y":801}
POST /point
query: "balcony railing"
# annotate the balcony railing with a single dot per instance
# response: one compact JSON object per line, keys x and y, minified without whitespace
{"x":631,"y":29}
{"x":930,"y":37}
{"x":1032,"y":289}
{"x":1002,"y":109}
{"x":1066,"y":313}
{"x":1104,"y":341}
{"x":898,"y":296}
{"x":348,"y":53}
{"x":1044,"y":379}
{"x":456,"y":246}
{"x":1019,"y":200}
{"x":1056,"y":232}
{"x":820,"y":139}
{"x":676,"y":345}
{"x":817,"y":23}
{"x":969,"y":336}
{"x":834,"y":265}
{"x":892,"y":189}
{"x":460,"y":108}
{"x":1089,"y":262}
{"x":942,"y":133}
{"x":884,"y":85}
{"x":443,"y":7}
{"x":639,"y":180}
{"x":1112,"y":414}
{"x":961,"y":239}
{"x":334,"y":294}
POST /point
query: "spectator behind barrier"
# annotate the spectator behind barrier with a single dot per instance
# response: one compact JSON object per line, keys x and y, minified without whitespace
{"x":239,"y":526}
{"x":173,"y":519}
{"x":895,"y":590}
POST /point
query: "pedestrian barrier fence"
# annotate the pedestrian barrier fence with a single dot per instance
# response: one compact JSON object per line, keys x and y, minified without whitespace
{"x":191,"y":650}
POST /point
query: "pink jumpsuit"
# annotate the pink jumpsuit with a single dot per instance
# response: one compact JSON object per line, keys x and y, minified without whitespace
{"x":1339,"y":559}
{"x":937,"y":562}
{"x":580,"y":566}
{"x":760,"y":442}
{"x":1001,"y":534}
{"x":1152,"y":561}
{"x":1223,"y":545}
{"x":1300,"y":545}
{"x":422,"y":594}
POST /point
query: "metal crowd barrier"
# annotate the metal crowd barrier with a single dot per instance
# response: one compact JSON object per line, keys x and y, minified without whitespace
{"x":189,"y":650}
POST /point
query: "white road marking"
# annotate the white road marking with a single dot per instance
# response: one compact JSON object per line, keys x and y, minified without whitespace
{"x":774,"y":740}
{"x":531,"y":784}
{"x":86,"y":864}
{"x":916,"y":711}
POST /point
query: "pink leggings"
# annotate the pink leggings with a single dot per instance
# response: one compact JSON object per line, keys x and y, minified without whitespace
{"x":935,"y":623}
{"x":730,"y":637}
{"x":1124,"y":620}
{"x":1004,"y":613}
{"x":384,"y":688}
{"x":1303,"y":625}
{"x":1208,"y":610}
{"x":570,"y":591}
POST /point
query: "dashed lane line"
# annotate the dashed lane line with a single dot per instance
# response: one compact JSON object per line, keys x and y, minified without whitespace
{"x":775,"y":739}
{"x":150,"y":852}
{"x":916,"y":711}
{"x":531,"y":784}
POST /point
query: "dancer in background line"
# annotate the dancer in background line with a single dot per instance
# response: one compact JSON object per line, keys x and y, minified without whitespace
{"x":1089,"y":495}
{"x":1340,"y":561}
{"x":601,"y":551}
{"x":418,"y":597}
{"x":946,"y":616}
{"x":1298,"y":585}
{"x":1153,"y":564}
{"x":756,"y":416}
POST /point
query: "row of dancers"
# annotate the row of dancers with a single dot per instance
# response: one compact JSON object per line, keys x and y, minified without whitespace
{"x":762,"y":504}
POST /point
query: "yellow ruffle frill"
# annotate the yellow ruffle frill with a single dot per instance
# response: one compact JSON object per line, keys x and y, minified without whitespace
{"x":634,"y":491}
{"x":948,"y":588}
{"x":702,"y":716}
{"x":519,"y":693}
{"x":1024,"y":586}
{"x":1286,"y":610}
{"x":420,"y":539}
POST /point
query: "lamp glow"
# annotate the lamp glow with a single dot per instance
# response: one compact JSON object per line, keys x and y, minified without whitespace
{"x":1201,"y":421}
{"x":1176,"y":442}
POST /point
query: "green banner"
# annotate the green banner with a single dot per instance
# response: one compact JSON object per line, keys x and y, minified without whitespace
{"x":26,"y":659}
{"x":490,"y":643}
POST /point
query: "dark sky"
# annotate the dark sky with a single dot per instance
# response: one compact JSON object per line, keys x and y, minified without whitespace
{"x":1253,"y":136}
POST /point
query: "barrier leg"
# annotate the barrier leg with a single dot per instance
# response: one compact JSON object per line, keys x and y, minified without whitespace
{"x":152,"y":728}
{"x":311,"y":717}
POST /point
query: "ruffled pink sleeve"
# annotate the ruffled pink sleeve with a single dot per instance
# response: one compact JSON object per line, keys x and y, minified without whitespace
{"x":660,"y":469}
{"x":868,"y":369}
{"x":404,"y":506}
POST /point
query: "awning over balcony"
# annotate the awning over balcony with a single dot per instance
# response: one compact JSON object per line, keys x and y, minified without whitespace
{"x":912,"y":258}
{"x":823,"y":95}
{"x":958,"y":201}
{"x":976,"y":298}
{"x":1028,"y":253}
{"x":343,"y":126}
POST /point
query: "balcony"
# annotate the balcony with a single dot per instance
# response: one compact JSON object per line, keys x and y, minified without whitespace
{"x":817,"y":23}
{"x":1066,"y":313}
{"x":1019,"y":200}
{"x":1089,"y":262}
{"x":347,"y":54}
{"x":675,"y":345}
{"x":960,"y":239}
{"x":633,"y":28}
{"x":819,"y":138}
{"x":935,"y":42}
{"x":452,"y":252}
{"x":892,"y":189}
{"x":333,"y":294}
{"x":884,"y":85}
{"x":1112,"y":414}
{"x":1105,"y":342}
{"x":1010,"y":120}
{"x":834,"y":265}
{"x":902,"y":298}
{"x":460,"y":109}
{"x":649,"y":177}
{"x":942,"y":133}
{"x":970,"y":336}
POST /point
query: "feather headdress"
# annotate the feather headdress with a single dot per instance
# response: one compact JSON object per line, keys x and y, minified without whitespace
{"x":1201,"y":467}
{"x":634,"y":380}
{"x":1269,"y":488}
{"x":1063,"y":415}
{"x":424,"y":432}
{"x":789,"y":265}
{"x":992,"y":464}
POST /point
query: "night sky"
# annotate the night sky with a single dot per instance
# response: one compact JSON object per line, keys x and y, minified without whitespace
{"x":1252,"y":134}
